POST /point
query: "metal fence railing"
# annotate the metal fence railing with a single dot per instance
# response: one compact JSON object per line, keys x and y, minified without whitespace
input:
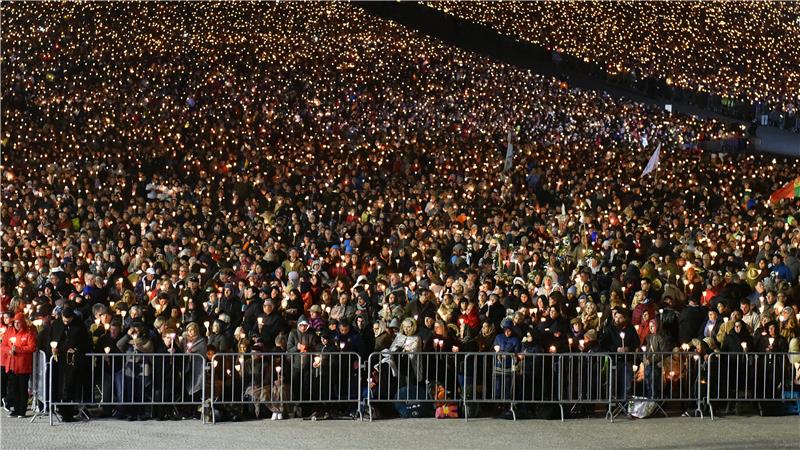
{"x":127,"y":380}
{"x":752,"y":377}
{"x":281,"y":380}
{"x":419,"y":384}
{"x":656,"y":378}
{"x":38,"y":383}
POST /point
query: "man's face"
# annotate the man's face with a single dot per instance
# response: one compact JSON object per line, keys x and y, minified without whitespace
{"x":619,"y":319}
{"x":745,"y":308}
{"x":66,"y":320}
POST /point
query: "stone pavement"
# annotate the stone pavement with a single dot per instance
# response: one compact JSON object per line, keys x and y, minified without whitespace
{"x":677,"y":432}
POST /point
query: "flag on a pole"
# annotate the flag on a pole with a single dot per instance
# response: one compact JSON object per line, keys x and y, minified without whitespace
{"x":791,"y":190}
{"x":653,"y":163}
{"x":509,"y":154}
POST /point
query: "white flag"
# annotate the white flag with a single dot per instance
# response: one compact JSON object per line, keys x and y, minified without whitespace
{"x":653,"y":163}
{"x":509,"y":154}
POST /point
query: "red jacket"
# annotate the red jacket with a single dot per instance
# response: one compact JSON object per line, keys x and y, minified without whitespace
{"x":3,"y":331}
{"x":21,"y":361}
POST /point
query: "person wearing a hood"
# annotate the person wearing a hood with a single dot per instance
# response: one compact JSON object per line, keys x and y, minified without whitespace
{"x":19,"y":343}
{"x":408,"y":341}
{"x":505,"y":342}
{"x":469,"y":326}
{"x":135,"y":378}
{"x":218,"y":338}
{"x":303,"y":339}
{"x":383,"y":336}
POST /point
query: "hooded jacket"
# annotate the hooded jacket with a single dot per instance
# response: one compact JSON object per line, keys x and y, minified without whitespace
{"x":21,"y":362}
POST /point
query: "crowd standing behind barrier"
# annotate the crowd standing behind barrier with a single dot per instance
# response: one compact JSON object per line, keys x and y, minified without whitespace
{"x":258,"y":188}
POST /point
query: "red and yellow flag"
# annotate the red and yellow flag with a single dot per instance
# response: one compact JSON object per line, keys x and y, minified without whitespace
{"x":791,"y":190}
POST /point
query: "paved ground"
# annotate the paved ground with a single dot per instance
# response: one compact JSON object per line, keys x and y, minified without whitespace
{"x":727,"y":432}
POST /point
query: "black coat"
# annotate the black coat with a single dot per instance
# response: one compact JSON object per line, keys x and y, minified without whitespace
{"x":690,"y":323}
{"x":71,"y":368}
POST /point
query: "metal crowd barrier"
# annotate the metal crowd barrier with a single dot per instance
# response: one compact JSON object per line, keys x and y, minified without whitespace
{"x":585,"y":379}
{"x":656,"y":377}
{"x":280,"y":380}
{"x":563,"y":379}
{"x":491,"y":377}
{"x":38,"y":385}
{"x":417,"y":383}
{"x":752,"y":377}
{"x":127,"y":380}
{"x":413,"y":380}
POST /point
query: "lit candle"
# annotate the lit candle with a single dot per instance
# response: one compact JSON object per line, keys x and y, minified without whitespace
{"x":685,"y":347}
{"x":341,"y":345}
{"x":496,"y":348}
{"x":455,"y":349}
{"x":744,"y":346}
{"x":107,"y":349}
{"x":53,"y":345}
{"x":771,"y":340}
{"x":552,"y":349}
{"x":13,"y":340}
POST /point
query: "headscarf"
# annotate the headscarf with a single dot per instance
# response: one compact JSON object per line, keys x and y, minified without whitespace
{"x":471,"y":318}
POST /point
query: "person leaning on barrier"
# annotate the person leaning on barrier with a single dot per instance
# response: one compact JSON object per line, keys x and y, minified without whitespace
{"x":18,"y":346}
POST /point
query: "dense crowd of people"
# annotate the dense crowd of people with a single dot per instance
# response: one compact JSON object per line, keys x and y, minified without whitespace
{"x":732,"y":49}
{"x":209,"y":178}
